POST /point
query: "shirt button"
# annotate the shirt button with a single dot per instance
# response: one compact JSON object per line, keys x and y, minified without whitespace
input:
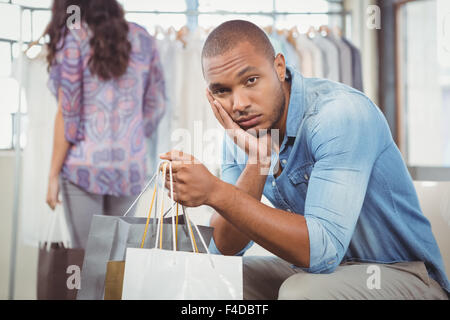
{"x":288,"y":210}
{"x":284,"y":161}
{"x":273,"y":183}
{"x":306,"y":176}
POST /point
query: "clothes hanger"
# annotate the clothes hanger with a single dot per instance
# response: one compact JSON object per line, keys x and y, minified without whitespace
{"x":268,"y":29}
{"x":311,"y":33}
{"x":291,"y":35}
{"x":181,"y":35}
{"x":204,"y":31}
{"x":159,"y":30}
{"x":171,"y":33}
{"x":324,"y":30}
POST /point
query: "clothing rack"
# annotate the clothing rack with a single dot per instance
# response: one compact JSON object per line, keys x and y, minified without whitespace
{"x":274,"y":14}
{"x":219,"y":12}
{"x":195,"y":13}
{"x":343,"y":14}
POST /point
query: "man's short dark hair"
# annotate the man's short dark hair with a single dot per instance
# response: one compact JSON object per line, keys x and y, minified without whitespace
{"x":227,"y":35}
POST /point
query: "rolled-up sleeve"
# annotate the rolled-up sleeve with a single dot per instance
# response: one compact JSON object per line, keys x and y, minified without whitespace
{"x":155,"y":94}
{"x":66,"y":75}
{"x":213,"y":249}
{"x":344,"y":143}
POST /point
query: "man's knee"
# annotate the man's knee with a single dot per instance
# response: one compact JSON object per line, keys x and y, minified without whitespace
{"x":305,"y":286}
{"x":263,"y":277}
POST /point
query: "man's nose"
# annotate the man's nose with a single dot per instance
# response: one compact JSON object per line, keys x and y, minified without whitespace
{"x":240,"y":101}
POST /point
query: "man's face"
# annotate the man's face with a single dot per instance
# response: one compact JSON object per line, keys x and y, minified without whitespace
{"x":248,"y":86}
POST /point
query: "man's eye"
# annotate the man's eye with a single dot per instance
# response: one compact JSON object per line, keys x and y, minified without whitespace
{"x":220,"y":91}
{"x":252,"y":80}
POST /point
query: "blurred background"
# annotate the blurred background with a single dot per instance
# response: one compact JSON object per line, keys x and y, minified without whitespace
{"x":404,"y":49}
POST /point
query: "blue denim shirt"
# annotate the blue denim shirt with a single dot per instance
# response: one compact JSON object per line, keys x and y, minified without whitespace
{"x":343,"y":172}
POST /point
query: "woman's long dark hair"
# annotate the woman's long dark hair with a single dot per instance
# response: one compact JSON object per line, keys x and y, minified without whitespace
{"x":109,"y":42}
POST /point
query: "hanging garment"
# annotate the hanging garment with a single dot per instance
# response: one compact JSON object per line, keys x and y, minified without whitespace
{"x":35,"y":214}
{"x":277,"y":43}
{"x":330,"y":58}
{"x":198,"y":131}
{"x":303,"y":43}
{"x":281,"y":45}
{"x":292,"y":56}
{"x":306,"y":61}
{"x":160,"y":142}
{"x":306,"y":58}
{"x":345,"y":59}
{"x":357,"y":79}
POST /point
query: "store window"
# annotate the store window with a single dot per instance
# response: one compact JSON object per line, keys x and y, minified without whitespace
{"x":424,"y":56}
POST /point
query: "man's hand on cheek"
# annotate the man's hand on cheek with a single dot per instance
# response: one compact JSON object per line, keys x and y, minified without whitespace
{"x":193,"y":184}
{"x":221,"y":114}
{"x":258,"y":149}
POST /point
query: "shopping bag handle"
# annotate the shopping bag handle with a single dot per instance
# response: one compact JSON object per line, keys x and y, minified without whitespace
{"x":159,"y":232}
{"x":51,"y":230}
{"x":155,"y":189}
{"x":149,"y":215}
{"x":159,"y":235}
{"x":142,"y":192}
{"x":186,"y":216}
{"x":189,"y":222}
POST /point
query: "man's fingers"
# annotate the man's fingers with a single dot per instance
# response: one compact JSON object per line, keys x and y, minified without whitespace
{"x":227,"y":120}
{"x":162,"y":166}
{"x":175,"y":198}
{"x":174,"y":176}
{"x":217,"y":114}
{"x":167,"y":185}
{"x":173,"y":155}
{"x":218,"y":110}
{"x":214,"y":107}
{"x":209,"y":96}
{"x":176,"y":158}
{"x":176,"y":166}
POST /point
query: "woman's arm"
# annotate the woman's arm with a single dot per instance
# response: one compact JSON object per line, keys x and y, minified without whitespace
{"x":60,"y":148}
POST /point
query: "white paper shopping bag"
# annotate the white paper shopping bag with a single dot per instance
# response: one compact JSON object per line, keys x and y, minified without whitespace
{"x":154,"y":274}
{"x":157,"y":274}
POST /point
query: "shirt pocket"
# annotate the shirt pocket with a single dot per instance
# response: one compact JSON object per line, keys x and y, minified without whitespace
{"x":300,"y":176}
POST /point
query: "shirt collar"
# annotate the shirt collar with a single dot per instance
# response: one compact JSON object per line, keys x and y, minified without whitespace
{"x":296,"y":108}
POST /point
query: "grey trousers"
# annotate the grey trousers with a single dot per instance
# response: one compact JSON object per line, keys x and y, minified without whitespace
{"x":80,"y":206}
{"x":270,"y":278}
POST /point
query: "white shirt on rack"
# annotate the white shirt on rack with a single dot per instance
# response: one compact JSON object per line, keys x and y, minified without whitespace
{"x":35,"y":214}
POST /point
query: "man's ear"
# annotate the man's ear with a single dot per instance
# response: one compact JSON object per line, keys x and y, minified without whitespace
{"x":280,"y":67}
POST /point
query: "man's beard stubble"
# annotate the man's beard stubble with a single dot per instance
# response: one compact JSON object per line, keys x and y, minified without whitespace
{"x":277,"y":113}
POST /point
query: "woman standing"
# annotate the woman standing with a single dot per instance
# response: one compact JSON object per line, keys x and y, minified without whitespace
{"x":109,"y":83}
